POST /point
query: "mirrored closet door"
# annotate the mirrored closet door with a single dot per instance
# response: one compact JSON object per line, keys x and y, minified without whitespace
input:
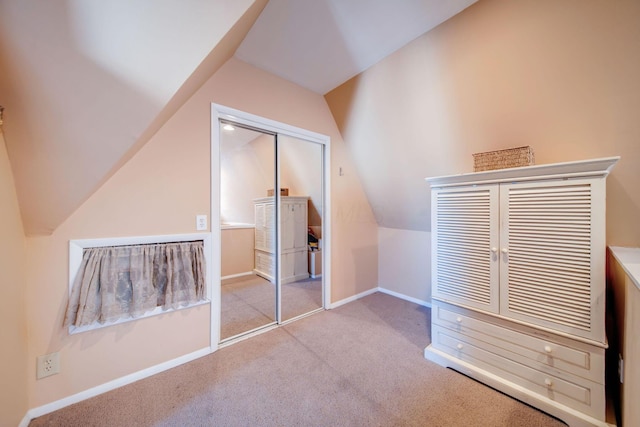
{"x":247,"y":171}
{"x":300,"y":179}
{"x":271,"y":227}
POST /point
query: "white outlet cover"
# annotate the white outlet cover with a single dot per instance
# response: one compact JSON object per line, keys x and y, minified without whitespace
{"x":47,"y":365}
{"x":201,"y":222}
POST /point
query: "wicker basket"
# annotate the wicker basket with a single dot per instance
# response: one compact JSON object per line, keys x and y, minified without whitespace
{"x":283,"y":192}
{"x":502,"y":159}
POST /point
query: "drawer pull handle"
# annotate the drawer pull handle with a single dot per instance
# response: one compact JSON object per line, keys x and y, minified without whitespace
{"x":547,"y":349}
{"x":494,"y":250}
{"x":459,"y":346}
{"x":548,"y":382}
{"x":459,"y":319}
{"x":504,"y":250}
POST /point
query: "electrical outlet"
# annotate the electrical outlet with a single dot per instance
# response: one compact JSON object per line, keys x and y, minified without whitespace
{"x":47,"y":365}
{"x":201,"y":222}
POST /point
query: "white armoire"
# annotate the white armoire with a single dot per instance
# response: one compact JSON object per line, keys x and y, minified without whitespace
{"x":293,"y":238}
{"x":518,"y":283}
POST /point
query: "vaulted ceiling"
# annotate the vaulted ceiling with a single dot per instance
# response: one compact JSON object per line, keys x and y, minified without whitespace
{"x":85,"y":83}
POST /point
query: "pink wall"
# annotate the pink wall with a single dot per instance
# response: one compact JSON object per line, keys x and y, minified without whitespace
{"x":119,"y":79}
{"x":237,"y":255}
{"x":248,"y":172}
{"x":245,"y":174}
{"x":560,"y":76}
{"x":159,"y":191}
{"x":13,"y":321}
{"x":354,"y":259}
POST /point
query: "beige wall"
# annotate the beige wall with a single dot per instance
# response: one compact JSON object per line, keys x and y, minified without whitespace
{"x":301,"y":172}
{"x":119,"y":77}
{"x":246,"y":173}
{"x":159,"y":191}
{"x":354,"y":258}
{"x":237,"y":255}
{"x":405,"y":264}
{"x":13,"y":325}
{"x":560,"y":76}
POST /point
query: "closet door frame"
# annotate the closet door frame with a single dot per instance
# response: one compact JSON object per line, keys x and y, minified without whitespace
{"x":220,"y":112}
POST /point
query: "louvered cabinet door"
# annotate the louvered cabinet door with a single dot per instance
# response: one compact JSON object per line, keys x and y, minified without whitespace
{"x":465,"y":234}
{"x":264,"y":228}
{"x":552,"y":255}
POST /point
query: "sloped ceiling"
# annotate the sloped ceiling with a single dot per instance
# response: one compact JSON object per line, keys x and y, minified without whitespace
{"x":320,"y":44}
{"x":86,"y":83}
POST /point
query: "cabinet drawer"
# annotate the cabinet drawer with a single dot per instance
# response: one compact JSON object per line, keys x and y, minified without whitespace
{"x":576,"y":358}
{"x":575,"y":392}
{"x":265,"y":263}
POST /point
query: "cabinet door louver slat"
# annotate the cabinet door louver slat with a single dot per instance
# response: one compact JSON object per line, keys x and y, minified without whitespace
{"x":567,"y":294}
{"x":467,"y":276}
{"x":473,"y":247}
{"x":537,"y":222}
{"x":551,"y":243}
{"x":567,"y":234}
{"x":567,"y":284}
{"x":571,"y":271}
{"x":472,"y":255}
{"x":549,"y":259}
{"x":463,"y":241}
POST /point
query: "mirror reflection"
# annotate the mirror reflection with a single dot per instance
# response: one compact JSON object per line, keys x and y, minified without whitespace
{"x":247,"y":170}
{"x":301,"y":226}
{"x":265,"y":282}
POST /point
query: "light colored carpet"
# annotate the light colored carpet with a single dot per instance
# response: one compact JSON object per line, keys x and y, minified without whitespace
{"x":249,"y":302}
{"x":301,"y":297}
{"x":357,"y":365}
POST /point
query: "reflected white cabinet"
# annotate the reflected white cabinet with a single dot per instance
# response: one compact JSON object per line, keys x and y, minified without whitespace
{"x":293,"y":232}
{"x":518,"y":283}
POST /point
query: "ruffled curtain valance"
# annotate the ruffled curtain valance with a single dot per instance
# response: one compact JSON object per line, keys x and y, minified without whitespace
{"x":127,"y":281}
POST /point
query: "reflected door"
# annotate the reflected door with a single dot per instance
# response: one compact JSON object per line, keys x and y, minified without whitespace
{"x":248,"y":231}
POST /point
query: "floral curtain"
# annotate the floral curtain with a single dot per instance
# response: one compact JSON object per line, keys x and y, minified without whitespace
{"x":127,"y":281}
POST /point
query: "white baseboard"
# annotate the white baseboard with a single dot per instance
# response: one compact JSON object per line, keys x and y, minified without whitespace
{"x":111,"y":385}
{"x":25,"y":420}
{"x":233,"y":276}
{"x":353,"y":298}
{"x":128,"y":379}
{"x":405,"y":297}
{"x":384,"y":291}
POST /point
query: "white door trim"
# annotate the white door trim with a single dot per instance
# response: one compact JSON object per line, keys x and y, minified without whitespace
{"x":221,"y":112}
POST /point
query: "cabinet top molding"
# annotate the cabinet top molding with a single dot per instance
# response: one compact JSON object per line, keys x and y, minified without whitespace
{"x":283,"y":198}
{"x":577,"y":169}
{"x":629,"y":259}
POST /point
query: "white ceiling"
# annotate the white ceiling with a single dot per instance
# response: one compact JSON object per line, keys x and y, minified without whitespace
{"x":84,"y":82}
{"x":320,"y":44}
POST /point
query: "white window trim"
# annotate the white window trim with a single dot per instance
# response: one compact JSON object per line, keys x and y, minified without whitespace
{"x":76,"y":248}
